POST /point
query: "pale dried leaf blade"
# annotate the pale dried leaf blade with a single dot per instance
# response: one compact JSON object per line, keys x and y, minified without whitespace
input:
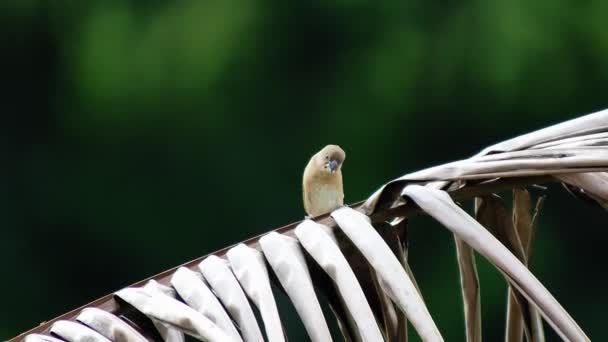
{"x":166,"y":331}
{"x":390,"y":314}
{"x":395,"y":280}
{"x":525,"y":222}
{"x":345,"y":321}
{"x":395,"y":237}
{"x":597,"y":139}
{"x":440,"y":206}
{"x":517,"y":164}
{"x":249,"y":267}
{"x":327,"y":289}
{"x":72,"y":331}
{"x":390,"y":235}
{"x":493,"y":214}
{"x":226,"y":287}
{"x":285,"y":256}
{"x":194,"y":292}
{"x":518,"y":310}
{"x":176,"y":314}
{"x":533,"y":226}
{"x":316,"y":240}
{"x":514,"y":330}
{"x":593,"y":185}
{"x":538,"y":331}
{"x":469,"y":282}
{"x":579,"y":127}
{"x":366,"y":276}
{"x":40,"y":338}
{"x":523,"y":309}
{"x":584,"y":125}
{"x":522,"y":218}
{"x":108,"y":325}
{"x":323,"y":283}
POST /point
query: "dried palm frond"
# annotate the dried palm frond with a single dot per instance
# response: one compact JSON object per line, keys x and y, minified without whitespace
{"x":356,"y":257}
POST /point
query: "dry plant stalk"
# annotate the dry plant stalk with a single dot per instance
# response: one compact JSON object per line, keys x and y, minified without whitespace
{"x":357,"y":259}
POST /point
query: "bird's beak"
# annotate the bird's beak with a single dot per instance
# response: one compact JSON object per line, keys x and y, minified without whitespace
{"x":333,"y":166}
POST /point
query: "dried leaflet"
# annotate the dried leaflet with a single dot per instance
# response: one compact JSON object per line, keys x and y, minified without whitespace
{"x":469,"y":282}
{"x":524,"y":223}
{"x":323,"y":249}
{"x":493,"y":215}
{"x":440,"y":206}
{"x":249,"y":267}
{"x":286,"y":259}
{"x":379,"y":302}
{"x":395,"y":281}
{"x":391,"y":235}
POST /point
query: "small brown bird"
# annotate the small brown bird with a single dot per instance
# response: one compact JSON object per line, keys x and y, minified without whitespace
{"x":322,"y":181}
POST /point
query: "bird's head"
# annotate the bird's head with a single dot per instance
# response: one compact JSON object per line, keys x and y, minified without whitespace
{"x":330,"y":158}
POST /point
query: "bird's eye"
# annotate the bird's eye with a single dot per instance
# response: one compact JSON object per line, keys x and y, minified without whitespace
{"x":326,"y":157}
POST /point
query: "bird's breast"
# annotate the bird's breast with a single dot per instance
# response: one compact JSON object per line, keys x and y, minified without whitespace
{"x":325,"y":198}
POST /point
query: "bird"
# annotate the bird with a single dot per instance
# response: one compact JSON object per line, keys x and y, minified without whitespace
{"x":322,"y":187}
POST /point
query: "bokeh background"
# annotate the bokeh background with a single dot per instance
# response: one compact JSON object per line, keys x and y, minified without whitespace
{"x":137,"y":135}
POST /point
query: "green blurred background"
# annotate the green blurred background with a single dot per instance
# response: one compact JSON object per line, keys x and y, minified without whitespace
{"x":138,"y":135}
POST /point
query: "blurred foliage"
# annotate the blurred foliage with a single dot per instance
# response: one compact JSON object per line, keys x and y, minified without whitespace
{"x":140,"y":134}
